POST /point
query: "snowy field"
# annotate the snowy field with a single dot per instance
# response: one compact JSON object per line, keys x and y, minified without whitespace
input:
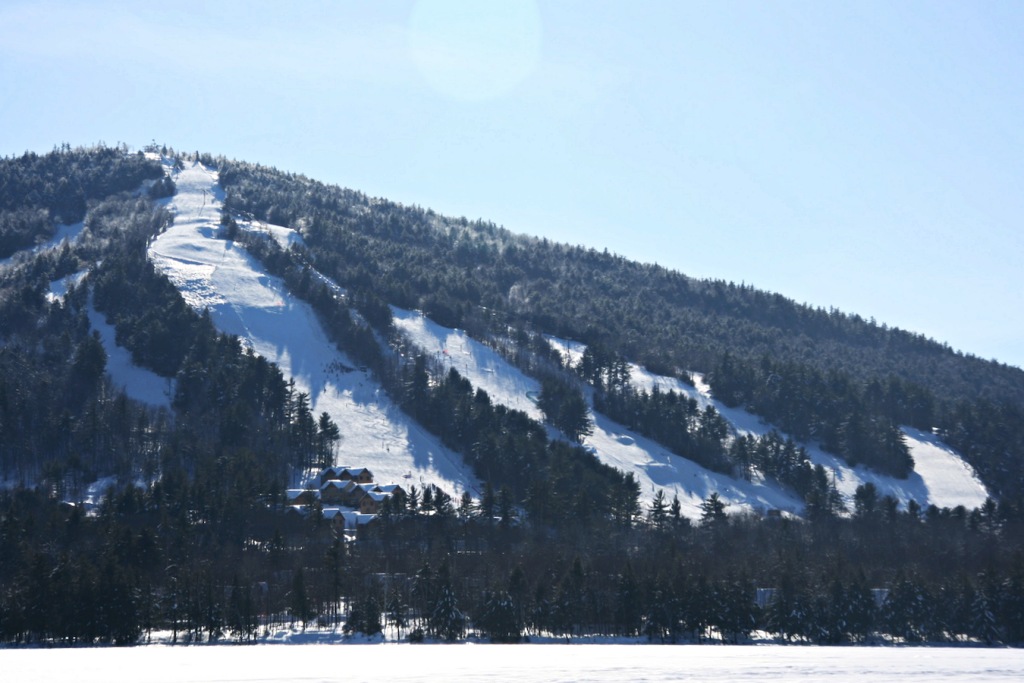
{"x":522,"y":663}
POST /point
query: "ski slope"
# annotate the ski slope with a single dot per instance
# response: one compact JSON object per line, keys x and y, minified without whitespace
{"x":654,"y":466}
{"x":138,"y":383}
{"x":478,"y":363}
{"x":941,"y":476}
{"x":244,"y":300}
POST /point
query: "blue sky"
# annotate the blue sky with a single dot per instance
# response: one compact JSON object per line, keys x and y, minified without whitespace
{"x":866,"y":156}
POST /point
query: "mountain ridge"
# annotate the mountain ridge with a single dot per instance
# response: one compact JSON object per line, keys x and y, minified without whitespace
{"x":162,"y":371}
{"x":925,"y":384}
{"x":414,"y":238}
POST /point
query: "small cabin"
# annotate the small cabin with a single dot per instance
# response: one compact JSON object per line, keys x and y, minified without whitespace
{"x":333,"y":492}
{"x":360,"y":475}
{"x":371,"y":502}
{"x":301,"y":496}
{"x":390,"y":489}
{"x":329,"y":473}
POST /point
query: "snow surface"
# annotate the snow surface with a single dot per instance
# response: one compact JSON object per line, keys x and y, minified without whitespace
{"x":139,"y":383}
{"x":481,"y":365}
{"x":244,"y":300}
{"x":522,"y":663}
{"x":945,"y":477}
{"x":654,"y":466}
{"x":69,"y":232}
{"x":941,"y":476}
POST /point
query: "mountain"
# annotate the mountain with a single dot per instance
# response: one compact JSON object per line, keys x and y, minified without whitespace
{"x":183,"y":338}
{"x":808,"y":371}
{"x":470,"y":296}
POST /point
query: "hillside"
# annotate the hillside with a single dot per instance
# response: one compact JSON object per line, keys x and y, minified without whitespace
{"x":806,"y":370}
{"x":243,"y":300}
{"x":347,"y":236}
{"x":582,"y":444}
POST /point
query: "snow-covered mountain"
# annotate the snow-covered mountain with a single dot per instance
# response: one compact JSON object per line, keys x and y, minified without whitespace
{"x":244,"y":300}
{"x":187,"y":341}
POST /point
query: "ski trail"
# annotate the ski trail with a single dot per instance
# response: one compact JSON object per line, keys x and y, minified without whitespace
{"x":244,"y":300}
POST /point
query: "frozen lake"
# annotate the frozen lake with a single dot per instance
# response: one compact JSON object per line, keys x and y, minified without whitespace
{"x":521,"y":663}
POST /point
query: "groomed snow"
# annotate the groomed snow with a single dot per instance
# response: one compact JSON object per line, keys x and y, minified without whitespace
{"x":653,"y":466}
{"x":244,"y":300}
{"x":941,"y":476}
{"x":139,"y":383}
{"x":945,"y":477}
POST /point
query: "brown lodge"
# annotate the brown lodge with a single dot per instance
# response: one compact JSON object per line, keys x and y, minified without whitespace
{"x":348,"y":496}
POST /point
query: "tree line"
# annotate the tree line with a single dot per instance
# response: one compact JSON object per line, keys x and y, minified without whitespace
{"x":432,"y":570}
{"x":39,"y":191}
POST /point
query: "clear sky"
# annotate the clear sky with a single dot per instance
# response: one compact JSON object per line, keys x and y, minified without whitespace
{"x":867,"y":156}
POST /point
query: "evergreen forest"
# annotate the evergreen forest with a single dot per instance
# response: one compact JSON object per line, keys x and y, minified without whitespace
{"x":193,"y":536}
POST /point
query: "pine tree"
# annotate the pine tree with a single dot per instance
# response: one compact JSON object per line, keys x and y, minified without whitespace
{"x":446,"y":619}
{"x":712,"y":509}
{"x":328,"y":435}
{"x":658,"y":513}
{"x":676,"y":510}
{"x":300,"y":604}
{"x":396,"y":611}
{"x":365,"y":615}
{"x":628,"y":606}
{"x":499,"y":620}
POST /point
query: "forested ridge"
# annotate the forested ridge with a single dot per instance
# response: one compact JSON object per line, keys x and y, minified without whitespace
{"x":39,"y":191}
{"x":842,"y":381}
{"x":193,"y":538}
{"x":452,"y":268}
